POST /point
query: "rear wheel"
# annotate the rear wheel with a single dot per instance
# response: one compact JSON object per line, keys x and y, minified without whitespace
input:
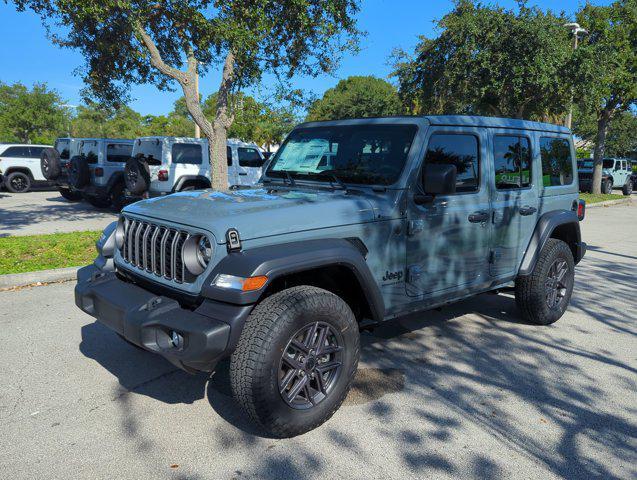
{"x":628,"y":188}
{"x":296,"y":359}
{"x":18,"y":182}
{"x":544,"y":295}
{"x":70,"y":195}
{"x":117,"y":196}
{"x":608,"y":187}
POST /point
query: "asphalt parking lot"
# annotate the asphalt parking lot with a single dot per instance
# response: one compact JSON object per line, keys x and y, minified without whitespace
{"x":46,"y":211}
{"x":466,"y":392}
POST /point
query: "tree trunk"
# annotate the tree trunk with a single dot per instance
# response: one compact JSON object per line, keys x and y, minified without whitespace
{"x":600,"y":146}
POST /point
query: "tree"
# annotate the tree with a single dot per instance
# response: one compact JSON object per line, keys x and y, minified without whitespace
{"x":126,"y":42}
{"x":93,"y":120}
{"x":607,"y":77}
{"x":621,"y":139}
{"x":31,"y":116}
{"x":357,"y":97}
{"x":490,"y":61}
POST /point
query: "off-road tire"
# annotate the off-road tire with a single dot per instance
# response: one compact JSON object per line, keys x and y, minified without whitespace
{"x":117,"y":196}
{"x":79,"y":174}
{"x":70,"y":195}
{"x":50,"y":163}
{"x":136,"y":176}
{"x":608,"y":187}
{"x":628,"y":188}
{"x":18,"y":182}
{"x":530,"y":291}
{"x":254,"y":365}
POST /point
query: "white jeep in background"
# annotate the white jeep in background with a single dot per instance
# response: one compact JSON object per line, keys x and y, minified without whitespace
{"x":163,"y":165}
{"x":21,"y":166}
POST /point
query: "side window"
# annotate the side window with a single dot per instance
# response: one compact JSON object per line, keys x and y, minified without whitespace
{"x":229,"y":156}
{"x":557,"y":164}
{"x":512,"y":159}
{"x":190,"y":153}
{"x":249,"y":157}
{"x":63,"y":146}
{"x":19,"y":152}
{"x":35,"y":152}
{"x":458,"y":150}
{"x":118,"y":152}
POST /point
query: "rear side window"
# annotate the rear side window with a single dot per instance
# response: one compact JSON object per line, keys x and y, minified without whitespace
{"x":249,"y":157}
{"x":35,"y":152}
{"x":557,"y":163}
{"x":20,"y":152}
{"x":512,"y":160}
{"x":118,"y":152}
{"x":458,"y":150}
{"x":89,"y":150}
{"x":229,"y":156}
{"x":63,"y":147}
{"x":189,"y":153}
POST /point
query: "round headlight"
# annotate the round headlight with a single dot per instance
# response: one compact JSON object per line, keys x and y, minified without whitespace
{"x":204,"y":251}
{"x":119,"y":233}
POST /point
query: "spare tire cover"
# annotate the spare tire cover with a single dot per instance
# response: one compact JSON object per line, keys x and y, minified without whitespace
{"x":50,"y":163}
{"x":136,"y":176}
{"x":78,"y":172}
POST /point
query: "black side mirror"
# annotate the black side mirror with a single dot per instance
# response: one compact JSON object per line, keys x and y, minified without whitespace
{"x":437,"y":179}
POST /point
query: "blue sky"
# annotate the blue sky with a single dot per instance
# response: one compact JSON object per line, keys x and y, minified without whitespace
{"x":27,"y":56}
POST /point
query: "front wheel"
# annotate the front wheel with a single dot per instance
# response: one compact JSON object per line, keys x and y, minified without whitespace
{"x":295,"y":361}
{"x":608,"y":187}
{"x":628,"y":188}
{"x":544,"y":295}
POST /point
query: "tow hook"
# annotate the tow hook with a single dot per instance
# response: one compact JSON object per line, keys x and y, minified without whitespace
{"x":152,"y":304}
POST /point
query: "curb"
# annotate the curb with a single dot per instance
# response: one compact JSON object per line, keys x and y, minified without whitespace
{"x":608,"y":203}
{"x":14,"y":280}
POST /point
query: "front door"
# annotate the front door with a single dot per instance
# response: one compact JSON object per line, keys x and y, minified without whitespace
{"x":515,"y":199}
{"x":448,"y":238}
{"x":250,"y":163}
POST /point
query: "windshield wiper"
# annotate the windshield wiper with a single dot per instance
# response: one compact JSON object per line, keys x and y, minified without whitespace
{"x":334,"y":177}
{"x":289,"y":177}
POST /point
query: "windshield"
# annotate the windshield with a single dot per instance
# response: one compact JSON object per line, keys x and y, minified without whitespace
{"x":609,"y":163}
{"x":362,"y":154}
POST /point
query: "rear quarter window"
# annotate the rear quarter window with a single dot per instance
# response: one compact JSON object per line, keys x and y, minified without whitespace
{"x":557,"y":161}
{"x":118,"y":152}
{"x":189,"y":153}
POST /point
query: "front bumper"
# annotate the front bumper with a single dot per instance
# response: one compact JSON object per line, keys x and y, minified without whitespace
{"x":148,"y":320}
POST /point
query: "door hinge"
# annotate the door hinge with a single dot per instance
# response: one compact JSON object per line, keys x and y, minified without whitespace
{"x":414,"y":272}
{"x":494,"y":255}
{"x":415,"y":226}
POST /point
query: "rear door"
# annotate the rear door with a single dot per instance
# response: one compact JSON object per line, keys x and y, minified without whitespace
{"x":250,"y":165}
{"x":116,"y":156}
{"x":448,"y":238}
{"x":186,"y":160}
{"x":34,"y":162}
{"x":514,"y":199}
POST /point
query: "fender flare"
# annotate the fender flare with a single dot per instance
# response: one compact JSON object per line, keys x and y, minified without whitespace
{"x":189,"y":178}
{"x":276,"y":261}
{"x":544,"y":229}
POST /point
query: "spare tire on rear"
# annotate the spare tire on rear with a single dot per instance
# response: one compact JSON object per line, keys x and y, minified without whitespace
{"x":136,"y":176}
{"x":79,"y":175}
{"x":50,"y":163}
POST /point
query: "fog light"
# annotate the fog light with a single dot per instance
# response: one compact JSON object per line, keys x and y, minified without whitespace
{"x":176,"y":340}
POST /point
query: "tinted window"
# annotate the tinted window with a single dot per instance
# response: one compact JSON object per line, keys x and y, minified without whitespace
{"x":512,"y":160}
{"x":62,"y":146}
{"x":458,"y":150}
{"x":557,"y":163}
{"x":363,"y":154}
{"x":118,"y":152}
{"x":35,"y":151}
{"x":229,"y":156}
{"x":249,"y":157}
{"x":187,"y":153}
{"x":16,"y":152}
{"x":149,"y":151}
{"x":610,"y":164}
{"x":89,"y":150}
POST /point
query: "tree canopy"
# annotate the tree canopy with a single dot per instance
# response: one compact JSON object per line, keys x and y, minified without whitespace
{"x":490,"y":61}
{"x":357,"y":97}
{"x":126,"y":42}
{"x":31,"y":116}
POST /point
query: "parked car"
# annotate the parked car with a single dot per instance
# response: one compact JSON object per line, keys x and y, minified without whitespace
{"x":616,"y":174}
{"x":94,"y":169}
{"x":358,"y":222}
{"x":21,"y":165}
{"x":164,"y":165}
{"x":633,"y":175}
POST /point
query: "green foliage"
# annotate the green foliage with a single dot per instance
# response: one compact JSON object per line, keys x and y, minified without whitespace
{"x":357,"y":97}
{"x":621,"y":139}
{"x":31,"y":116}
{"x":490,"y":61}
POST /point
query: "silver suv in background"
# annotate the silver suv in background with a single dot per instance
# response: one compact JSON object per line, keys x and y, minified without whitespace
{"x":21,"y":166}
{"x":163,"y":165}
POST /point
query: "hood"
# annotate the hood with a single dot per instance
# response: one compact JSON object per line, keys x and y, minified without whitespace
{"x":257,"y":213}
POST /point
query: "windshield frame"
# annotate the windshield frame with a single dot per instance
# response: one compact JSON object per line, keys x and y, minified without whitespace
{"x":419,"y":124}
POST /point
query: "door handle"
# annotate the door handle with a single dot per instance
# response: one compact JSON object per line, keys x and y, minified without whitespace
{"x":527,"y":210}
{"x":243,"y":173}
{"x":478,"y":217}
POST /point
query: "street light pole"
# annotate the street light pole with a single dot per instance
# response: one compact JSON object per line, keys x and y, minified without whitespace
{"x":576,"y":31}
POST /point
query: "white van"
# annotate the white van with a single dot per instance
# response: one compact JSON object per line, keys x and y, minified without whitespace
{"x":164,"y":165}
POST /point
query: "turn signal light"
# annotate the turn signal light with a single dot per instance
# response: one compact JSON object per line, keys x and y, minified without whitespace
{"x":162,"y":175}
{"x":254,"y":283}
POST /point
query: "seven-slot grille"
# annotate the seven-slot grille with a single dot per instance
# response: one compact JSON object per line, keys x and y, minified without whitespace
{"x":155,"y":249}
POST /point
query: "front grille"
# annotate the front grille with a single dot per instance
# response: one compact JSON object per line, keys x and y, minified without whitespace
{"x":155,"y":249}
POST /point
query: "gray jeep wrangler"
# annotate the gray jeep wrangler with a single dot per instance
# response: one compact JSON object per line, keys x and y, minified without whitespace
{"x":356,"y":222}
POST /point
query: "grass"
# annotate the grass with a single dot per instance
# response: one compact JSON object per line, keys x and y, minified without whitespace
{"x":43,"y":252}
{"x":592,"y":198}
